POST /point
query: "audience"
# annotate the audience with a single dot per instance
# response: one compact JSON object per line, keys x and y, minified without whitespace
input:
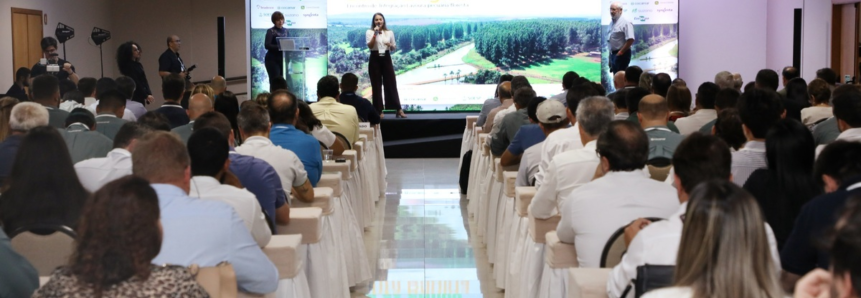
{"x":104,"y":85}
{"x":738,"y":82}
{"x":119,"y":236}
{"x":87,"y":86}
{"x":661,"y":84}
{"x":827,"y":131}
{"x":110,"y":111}
{"x":155,"y":121}
{"x":492,"y":103}
{"x":18,"y":278}
{"x":364,"y":109}
{"x":42,"y":187}
{"x":209,"y":153}
{"x":724,"y":247}
{"x":829,"y":76}
{"x":571,"y":169}
{"x":847,"y":111}
{"x":726,"y":98}
{"x":820,"y":104}
{"x":218,"y":85}
{"x":127,"y":87}
{"x":198,"y":104}
{"x":227,"y":104}
{"x":196,"y":231}
{"x":23,"y":117}
{"x":283,"y":114}
{"x":728,"y":128}
{"x":653,"y":113}
{"x":172,"y":88}
{"x":507,"y":128}
{"x":309,"y":124}
{"x":96,"y":172}
{"x":759,"y":109}
{"x":796,"y":98}
{"x":337,"y":117}
{"x":6,"y":105}
{"x":567,"y":80}
{"x":22,"y":79}
{"x":82,"y":142}
{"x":788,"y":73}
{"x":705,"y":109}
{"x":623,"y":150}
{"x":724,"y":80}
{"x":632,"y":76}
{"x":766,"y":79}
{"x":46,"y":92}
{"x":787,"y":183}
{"x":632,"y":99}
{"x":527,"y":136}
{"x":619,"y":80}
{"x":505,"y":100}
{"x":278,"y":83}
{"x":72,"y":100}
{"x":679,"y":102}
{"x":645,"y":80}
{"x":550,"y":118}
{"x":620,"y":103}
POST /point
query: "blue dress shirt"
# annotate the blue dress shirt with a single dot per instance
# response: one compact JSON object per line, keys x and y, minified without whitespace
{"x":260,"y":179}
{"x":527,"y":136}
{"x":305,"y":146}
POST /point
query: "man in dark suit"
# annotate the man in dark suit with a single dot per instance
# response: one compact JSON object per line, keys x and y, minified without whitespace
{"x":172,"y":88}
{"x":364,"y":108}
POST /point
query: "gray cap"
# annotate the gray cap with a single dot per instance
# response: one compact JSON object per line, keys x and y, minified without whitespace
{"x":551,"y":111}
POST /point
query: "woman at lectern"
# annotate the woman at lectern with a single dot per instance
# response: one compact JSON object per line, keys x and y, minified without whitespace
{"x":274,"y":60}
{"x":381,"y":41}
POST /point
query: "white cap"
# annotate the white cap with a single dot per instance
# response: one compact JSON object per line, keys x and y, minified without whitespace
{"x":551,"y":111}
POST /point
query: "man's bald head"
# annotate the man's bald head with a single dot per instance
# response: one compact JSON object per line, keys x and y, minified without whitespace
{"x":218,"y":84}
{"x":198,"y":104}
{"x":619,"y":80}
{"x":283,"y":108}
{"x":654,"y":108}
{"x":504,"y":90}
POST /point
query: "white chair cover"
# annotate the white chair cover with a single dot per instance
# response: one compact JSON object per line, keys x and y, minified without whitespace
{"x":356,"y":266}
{"x":533,"y":268}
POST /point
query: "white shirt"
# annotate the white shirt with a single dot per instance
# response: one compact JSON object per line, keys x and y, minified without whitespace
{"x":658,"y":244}
{"x":70,"y":105}
{"x":568,"y":171}
{"x":528,"y":165}
{"x":593,"y":212}
{"x":243,"y":201}
{"x":670,"y":292}
{"x":90,"y":101}
{"x":850,"y":135}
{"x":622,"y":116}
{"x":127,"y":114}
{"x":811,"y":115}
{"x":96,"y":172}
{"x":746,"y":160}
{"x":285,"y":162}
{"x":497,"y":121}
{"x":693,"y":123}
{"x":385,"y":36}
{"x":561,"y":97}
{"x":557,"y":142}
{"x":324,"y":135}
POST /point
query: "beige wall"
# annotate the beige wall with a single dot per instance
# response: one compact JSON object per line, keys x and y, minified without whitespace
{"x":847,"y":42}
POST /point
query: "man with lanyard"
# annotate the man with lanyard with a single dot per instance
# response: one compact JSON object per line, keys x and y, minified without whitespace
{"x":169,"y":62}
{"x":49,"y":52}
{"x":620,"y":39}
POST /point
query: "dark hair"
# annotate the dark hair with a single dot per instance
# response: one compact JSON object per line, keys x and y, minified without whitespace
{"x":104,"y":85}
{"x":47,"y":42}
{"x":126,"y":86}
{"x":83,"y":116}
{"x":327,"y":87}
{"x":532,"y":108}
{"x":125,"y":56}
{"x":841,"y":160}
{"x":728,"y":128}
{"x":44,"y":86}
{"x":599,"y":88}
{"x":228,"y":105}
{"x":818,"y":88}
{"x":700,"y":158}
{"x":505,"y":78}
{"x":846,"y":242}
{"x":128,"y":132}
{"x":384,"y":21}
{"x":518,"y":82}
{"x":281,"y":112}
{"x":790,"y":73}
{"x":523,"y":95}
{"x":42,"y":186}
{"x":214,"y":120}
{"x":633,"y":73}
{"x":726,"y":98}
{"x":277,"y":16}
{"x":759,"y":109}
{"x":118,"y":236}
{"x":111,"y":100}
{"x":706,"y":94}
{"x":828,"y":75}
{"x":22,"y":72}
{"x":568,"y":79}
{"x":87,"y":86}
{"x":307,"y":121}
{"x":847,"y":107}
{"x":796,"y":91}
{"x":679,"y":98}
{"x":208,"y":150}
{"x":661,"y":84}
{"x":350,"y":80}
{"x":173,"y":87}
{"x":581,"y":89}
{"x":277,"y":83}
{"x":789,"y":150}
{"x":253,"y":119}
{"x":768,"y":79}
{"x":66,"y":86}
{"x":625,"y":145}
{"x":619,"y":98}
{"x":155,"y":121}
{"x":633,"y":97}
{"x":75,"y":96}
{"x":749,"y":86}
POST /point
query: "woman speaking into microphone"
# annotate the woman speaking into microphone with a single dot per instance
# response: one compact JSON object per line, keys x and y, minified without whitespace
{"x":381,"y":41}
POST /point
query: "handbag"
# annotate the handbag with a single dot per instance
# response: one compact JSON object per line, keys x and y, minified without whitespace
{"x":219,"y":281}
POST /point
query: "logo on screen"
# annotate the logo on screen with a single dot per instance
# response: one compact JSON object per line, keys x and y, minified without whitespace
{"x":303,"y":6}
{"x":289,"y":22}
{"x":435,"y":98}
{"x":656,"y":2}
{"x":665,"y":10}
{"x":641,"y":18}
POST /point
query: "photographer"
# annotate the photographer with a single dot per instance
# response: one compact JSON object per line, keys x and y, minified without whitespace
{"x":49,"y":52}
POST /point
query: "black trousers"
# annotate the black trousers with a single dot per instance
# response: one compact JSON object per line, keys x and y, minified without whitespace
{"x":619,"y":63}
{"x":275,"y":69}
{"x":382,"y":74}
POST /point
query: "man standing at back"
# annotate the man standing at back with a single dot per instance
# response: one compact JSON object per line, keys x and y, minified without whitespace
{"x":337,"y":117}
{"x":111,"y":108}
{"x":198,"y":104}
{"x":169,"y":62}
{"x":364,"y":108}
{"x":619,"y":39}
{"x":199,"y":232}
{"x":283,"y":113}
{"x":46,"y":92}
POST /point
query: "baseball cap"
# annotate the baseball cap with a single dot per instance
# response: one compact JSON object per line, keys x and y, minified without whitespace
{"x":551,"y":111}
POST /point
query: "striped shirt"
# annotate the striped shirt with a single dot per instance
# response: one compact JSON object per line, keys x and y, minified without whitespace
{"x":748,"y":159}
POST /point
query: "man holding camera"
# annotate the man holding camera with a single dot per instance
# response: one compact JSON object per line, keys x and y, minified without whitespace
{"x":65,"y":69}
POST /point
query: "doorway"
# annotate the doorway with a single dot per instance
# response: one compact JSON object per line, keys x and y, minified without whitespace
{"x":26,"y":37}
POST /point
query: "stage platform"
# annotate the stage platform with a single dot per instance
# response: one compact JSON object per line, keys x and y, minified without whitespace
{"x":424,"y":135}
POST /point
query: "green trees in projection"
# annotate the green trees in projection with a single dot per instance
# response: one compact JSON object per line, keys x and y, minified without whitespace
{"x":651,"y":35}
{"x":414,"y":37}
{"x":515,"y":42}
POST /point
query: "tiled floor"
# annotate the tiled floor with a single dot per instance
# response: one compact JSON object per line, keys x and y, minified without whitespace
{"x":419,"y":244}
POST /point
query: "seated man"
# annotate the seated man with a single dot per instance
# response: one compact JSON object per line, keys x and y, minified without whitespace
{"x":847,"y":111}
{"x":104,"y":85}
{"x":337,"y":117}
{"x":82,"y":142}
{"x":46,"y":92}
{"x":87,"y":86}
{"x":697,"y":159}
{"x":574,"y":168}
{"x":197,"y":105}
{"x":705,"y":102}
{"x":505,"y":101}
{"x":23,"y":117}
{"x":96,"y":172}
{"x":254,"y":128}
{"x":491,"y":103}
{"x":526,"y":137}
{"x":172,"y":89}
{"x":653,"y":114}
{"x":759,"y":109}
{"x":199,"y":232}
{"x":827,"y":131}
{"x":127,"y":86}
{"x":255,"y":174}
{"x":632,"y":101}
{"x":111,"y":108}
{"x":512,"y":122}
{"x":567,"y":80}
{"x":283,"y":113}
{"x":208,"y":150}
{"x":843,"y":278}
{"x":22,"y":79}
{"x":550,"y":118}
{"x":725,"y":99}
{"x":621,"y":104}
{"x":364,"y":108}
{"x":594,"y":211}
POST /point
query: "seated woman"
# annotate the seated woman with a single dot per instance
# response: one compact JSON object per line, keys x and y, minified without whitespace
{"x":724,"y":250}
{"x":43,"y":187}
{"x":308,"y":123}
{"x":118,"y":237}
{"x":679,"y":100}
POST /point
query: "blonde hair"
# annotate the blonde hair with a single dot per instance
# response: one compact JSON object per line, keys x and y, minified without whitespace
{"x":205,"y":89}
{"x":262,"y":99}
{"x":724,"y":250}
{"x":6,"y":105}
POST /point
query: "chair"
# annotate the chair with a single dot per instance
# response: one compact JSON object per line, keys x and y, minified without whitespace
{"x":219,"y":281}
{"x":615,"y":247}
{"x":650,"y":277}
{"x":347,"y":144}
{"x":659,"y":173}
{"x":45,"y":251}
